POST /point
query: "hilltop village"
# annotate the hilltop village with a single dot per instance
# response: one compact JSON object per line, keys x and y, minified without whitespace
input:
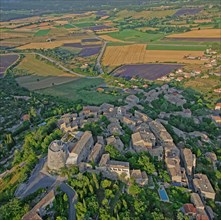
{"x":92,"y":136}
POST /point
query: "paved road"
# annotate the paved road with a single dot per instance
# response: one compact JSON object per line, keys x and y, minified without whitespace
{"x":36,"y":181}
{"x":58,"y":64}
{"x":98,"y":62}
{"x":72,"y":197}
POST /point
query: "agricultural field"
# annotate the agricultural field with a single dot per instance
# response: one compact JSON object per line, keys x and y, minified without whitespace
{"x":35,"y":82}
{"x":47,"y":45}
{"x":6,"y":61}
{"x":137,"y":54}
{"x":41,"y":33}
{"x":89,"y":51}
{"x":200,"y":35}
{"x":82,"y":89}
{"x":110,"y":39}
{"x":135,"y":36}
{"x":145,"y":71}
{"x":187,"y":11}
{"x":176,"y":47}
{"x":40,"y":74}
{"x":144,"y":14}
{"x":205,"y":86}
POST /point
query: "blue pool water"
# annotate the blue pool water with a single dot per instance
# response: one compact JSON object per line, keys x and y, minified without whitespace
{"x":163,"y":195}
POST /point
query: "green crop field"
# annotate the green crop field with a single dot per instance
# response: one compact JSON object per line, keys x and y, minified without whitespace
{"x":81,"y":89}
{"x":41,"y":33}
{"x":176,"y":47}
{"x":68,"y":26}
{"x":135,"y":36}
{"x":85,"y":24}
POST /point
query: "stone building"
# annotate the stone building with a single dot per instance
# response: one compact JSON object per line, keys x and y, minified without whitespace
{"x":142,"y":141}
{"x":57,"y":155}
{"x":203,"y":186}
{"x":96,"y":153}
{"x":189,"y":160}
{"x":79,"y":152}
{"x":139,"y":177}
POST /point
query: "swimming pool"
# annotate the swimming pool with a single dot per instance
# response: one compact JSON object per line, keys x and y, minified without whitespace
{"x":163,"y":195}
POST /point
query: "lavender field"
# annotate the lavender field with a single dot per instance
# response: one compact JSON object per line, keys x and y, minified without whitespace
{"x":145,"y":71}
{"x":6,"y":61}
{"x":188,"y":11}
{"x":89,"y":51}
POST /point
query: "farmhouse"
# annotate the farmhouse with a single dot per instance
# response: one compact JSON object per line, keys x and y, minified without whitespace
{"x":203,"y":186}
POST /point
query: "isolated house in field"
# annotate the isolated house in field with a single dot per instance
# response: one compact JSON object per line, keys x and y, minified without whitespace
{"x":80,"y":151}
{"x":203,"y":186}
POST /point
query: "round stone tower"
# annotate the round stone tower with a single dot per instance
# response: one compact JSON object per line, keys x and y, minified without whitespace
{"x":57,"y":155}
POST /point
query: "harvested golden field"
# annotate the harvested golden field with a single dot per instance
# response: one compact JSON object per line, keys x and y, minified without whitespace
{"x":207,"y":33}
{"x":143,"y":29}
{"x":111,"y":39}
{"x":137,"y":53}
{"x":35,"y":66}
{"x":8,"y":35}
{"x":47,"y":45}
{"x":203,"y":21}
{"x":61,"y":22}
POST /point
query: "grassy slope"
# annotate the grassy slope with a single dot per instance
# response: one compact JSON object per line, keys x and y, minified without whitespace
{"x":84,"y":89}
